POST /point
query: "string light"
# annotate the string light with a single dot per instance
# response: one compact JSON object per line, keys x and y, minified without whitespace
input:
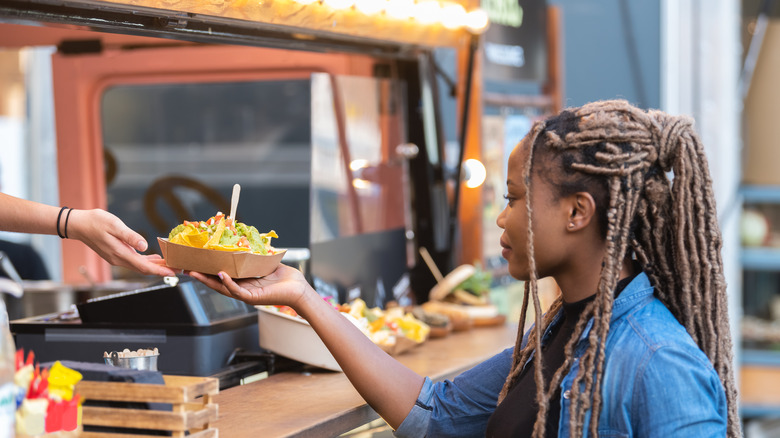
{"x":399,"y":9}
{"x":453,"y":16}
{"x":339,"y":4}
{"x":477,"y":21}
{"x":448,"y":14}
{"x":370,"y":7}
{"x":427,"y":12}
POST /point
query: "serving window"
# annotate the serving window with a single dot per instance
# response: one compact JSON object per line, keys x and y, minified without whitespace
{"x":174,"y":150}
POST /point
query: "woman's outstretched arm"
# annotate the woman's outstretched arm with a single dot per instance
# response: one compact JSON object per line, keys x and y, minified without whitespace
{"x":389,"y":387}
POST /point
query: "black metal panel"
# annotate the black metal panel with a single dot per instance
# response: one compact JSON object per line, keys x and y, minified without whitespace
{"x":430,"y":204}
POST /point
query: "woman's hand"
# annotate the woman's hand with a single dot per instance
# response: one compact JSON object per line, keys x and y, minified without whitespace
{"x":108,"y":236}
{"x":285,"y":286}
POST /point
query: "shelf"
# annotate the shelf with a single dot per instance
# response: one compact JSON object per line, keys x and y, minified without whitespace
{"x":760,"y":259}
{"x":754,"y":411}
{"x":760,"y":194}
{"x":760,"y":357}
{"x":759,"y":370}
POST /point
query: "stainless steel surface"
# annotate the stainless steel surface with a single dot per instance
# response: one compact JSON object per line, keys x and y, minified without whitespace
{"x":136,"y":363}
{"x":44,"y":297}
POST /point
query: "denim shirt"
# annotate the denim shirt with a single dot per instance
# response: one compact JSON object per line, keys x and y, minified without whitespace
{"x":657,"y":382}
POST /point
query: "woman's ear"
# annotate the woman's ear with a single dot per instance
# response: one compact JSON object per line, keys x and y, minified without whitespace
{"x":582,"y":209}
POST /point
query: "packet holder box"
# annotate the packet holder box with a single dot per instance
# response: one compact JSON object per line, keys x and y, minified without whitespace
{"x":294,"y":338}
{"x":211,"y":261}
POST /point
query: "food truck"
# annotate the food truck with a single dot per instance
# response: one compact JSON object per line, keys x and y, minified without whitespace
{"x":328,"y":113}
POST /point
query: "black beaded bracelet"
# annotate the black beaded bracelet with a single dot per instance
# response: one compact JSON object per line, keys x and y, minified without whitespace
{"x":59,"y":216}
{"x":65,"y":232}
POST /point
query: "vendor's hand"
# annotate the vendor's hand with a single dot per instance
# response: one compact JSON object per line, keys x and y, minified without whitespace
{"x":285,"y":286}
{"x":108,"y":236}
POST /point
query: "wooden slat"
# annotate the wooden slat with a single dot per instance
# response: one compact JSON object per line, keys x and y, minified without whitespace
{"x":201,"y":417}
{"x":207,"y":433}
{"x":137,"y":418}
{"x":149,"y":419}
{"x":190,"y":417}
{"x":193,"y":387}
{"x":129,"y":392}
{"x":177,"y":389}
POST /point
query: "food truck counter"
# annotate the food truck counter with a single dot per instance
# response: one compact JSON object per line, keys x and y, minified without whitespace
{"x":324,"y":403}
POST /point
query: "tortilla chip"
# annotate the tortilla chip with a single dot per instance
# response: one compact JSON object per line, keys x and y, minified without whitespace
{"x":214,"y":241}
{"x":233,"y":248}
{"x":178,"y":239}
{"x":195,"y":238}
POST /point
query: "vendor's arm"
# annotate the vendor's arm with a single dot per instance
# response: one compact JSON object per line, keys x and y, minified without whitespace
{"x":389,"y":387}
{"x":105,"y":233}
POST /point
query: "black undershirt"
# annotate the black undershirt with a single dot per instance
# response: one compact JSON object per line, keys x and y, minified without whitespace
{"x":513,"y":418}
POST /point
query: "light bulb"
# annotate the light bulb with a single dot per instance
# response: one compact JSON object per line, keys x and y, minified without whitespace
{"x":339,"y":4}
{"x":400,"y":9}
{"x":370,"y":7}
{"x":477,"y":21}
{"x":474,"y":172}
{"x":427,"y":12}
{"x":453,"y":16}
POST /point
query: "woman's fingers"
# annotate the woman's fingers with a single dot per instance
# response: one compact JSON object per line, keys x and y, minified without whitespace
{"x":215,"y":283}
{"x":131,"y":238}
{"x":226,"y":286}
{"x":238,"y":291}
{"x":141,"y":263}
{"x":210,"y":281}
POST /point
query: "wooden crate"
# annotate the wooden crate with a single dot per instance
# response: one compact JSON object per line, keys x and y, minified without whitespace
{"x":191,"y":398}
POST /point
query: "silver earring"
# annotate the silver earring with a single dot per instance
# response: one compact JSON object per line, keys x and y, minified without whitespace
{"x":571,"y":225}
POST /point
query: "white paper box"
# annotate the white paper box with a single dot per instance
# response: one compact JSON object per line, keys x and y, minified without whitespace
{"x":294,"y":338}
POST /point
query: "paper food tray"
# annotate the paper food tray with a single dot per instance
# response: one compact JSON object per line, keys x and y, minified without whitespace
{"x":211,"y":261}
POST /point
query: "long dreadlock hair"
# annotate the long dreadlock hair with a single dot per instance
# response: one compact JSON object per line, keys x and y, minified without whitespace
{"x":621,"y":154}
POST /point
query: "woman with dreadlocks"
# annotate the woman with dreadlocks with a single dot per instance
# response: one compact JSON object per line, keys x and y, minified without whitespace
{"x":637,"y":344}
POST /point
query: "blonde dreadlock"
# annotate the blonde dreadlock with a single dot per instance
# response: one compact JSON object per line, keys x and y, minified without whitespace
{"x":620,"y":154}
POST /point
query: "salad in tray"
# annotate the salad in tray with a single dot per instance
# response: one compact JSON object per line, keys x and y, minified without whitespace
{"x":221,"y":244}
{"x":223,"y":234}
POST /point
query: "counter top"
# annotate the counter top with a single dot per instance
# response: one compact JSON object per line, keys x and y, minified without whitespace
{"x":324,"y":403}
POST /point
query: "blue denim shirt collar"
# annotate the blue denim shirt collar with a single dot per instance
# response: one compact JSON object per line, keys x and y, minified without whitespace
{"x":638,"y":291}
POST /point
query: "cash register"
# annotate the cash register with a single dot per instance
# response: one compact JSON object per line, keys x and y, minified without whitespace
{"x":197,"y":331}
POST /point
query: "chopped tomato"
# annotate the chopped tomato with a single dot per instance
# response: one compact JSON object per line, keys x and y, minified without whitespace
{"x":231,"y":225}
{"x":215,"y":219}
{"x":287,"y":310}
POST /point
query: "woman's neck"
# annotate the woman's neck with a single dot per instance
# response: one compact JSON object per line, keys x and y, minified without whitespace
{"x":583,"y":282}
